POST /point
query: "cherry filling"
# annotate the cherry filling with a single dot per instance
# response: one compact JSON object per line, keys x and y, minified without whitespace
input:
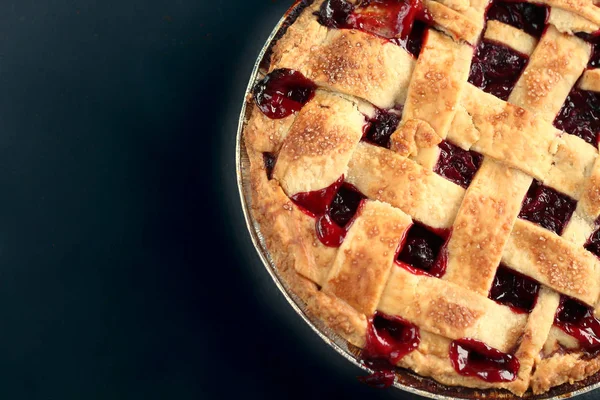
{"x":379,"y":129}
{"x":345,"y":204}
{"x":333,"y":207}
{"x":514,"y":290}
{"x":471,"y":357}
{"x":317,"y":202}
{"x":390,"y":338}
{"x":269,"y":160}
{"x":593,"y":243}
{"x":580,"y":115}
{"x":577,"y":320}
{"x":496,"y":68}
{"x":528,"y":17}
{"x":391,"y":19}
{"x":421,"y":251}
{"x":547,"y":207}
{"x":457,"y":165}
{"x":283,"y":92}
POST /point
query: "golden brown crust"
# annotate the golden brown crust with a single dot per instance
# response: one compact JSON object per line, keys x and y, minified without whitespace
{"x":553,"y":261}
{"x":348,"y":61}
{"x":437,"y":81}
{"x":363,"y":262}
{"x":450,"y":310}
{"x":458,"y":22}
{"x":568,"y":22}
{"x":571,"y":166}
{"x":319,"y":144}
{"x":590,"y":80}
{"x":511,"y":37}
{"x":386,"y":176}
{"x":583,"y":8}
{"x":483,"y":225}
{"x":552,"y":70}
{"x":505,"y":132}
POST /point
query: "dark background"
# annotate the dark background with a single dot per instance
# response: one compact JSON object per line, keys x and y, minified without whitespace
{"x":125,"y":268}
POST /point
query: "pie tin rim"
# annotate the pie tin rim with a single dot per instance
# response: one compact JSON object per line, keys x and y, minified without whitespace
{"x":429,"y":388}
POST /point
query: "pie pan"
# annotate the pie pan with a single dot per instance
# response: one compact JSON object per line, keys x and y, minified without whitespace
{"x":405,"y":380}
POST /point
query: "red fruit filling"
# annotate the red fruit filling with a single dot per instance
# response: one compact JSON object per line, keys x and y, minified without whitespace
{"x":457,"y":165}
{"x":580,"y":115}
{"x":471,"y":357}
{"x":422,"y":251}
{"x":333,"y":207}
{"x":578,"y":320}
{"x":390,"y":338}
{"x":496,"y":68}
{"x":547,"y":207}
{"x":514,"y":290}
{"x":391,"y":19}
{"x":378,"y":130}
{"x":283,"y":92}
{"x":528,"y":17}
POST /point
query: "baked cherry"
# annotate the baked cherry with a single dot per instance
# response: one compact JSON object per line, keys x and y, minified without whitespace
{"x":496,"y":68}
{"x":457,"y":165}
{"x":471,"y":357}
{"x":379,"y":129}
{"x":528,"y":17}
{"x":547,"y":207}
{"x":514,"y":290}
{"x":334,"y":224}
{"x":421,"y":249}
{"x":317,"y":202}
{"x":334,"y":13}
{"x":414,"y":42}
{"x":283,"y":92}
{"x":269,"y":160}
{"x":390,"y":338}
{"x":580,"y":115}
{"x":333,"y":207}
{"x":391,"y":19}
{"x":345,"y":204}
{"x":578,"y":320}
{"x":593,"y":243}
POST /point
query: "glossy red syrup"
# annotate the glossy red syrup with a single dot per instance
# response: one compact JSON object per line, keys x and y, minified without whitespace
{"x":514,"y":290}
{"x":496,"y":68}
{"x":580,"y":115}
{"x":547,"y":207}
{"x":528,"y":17}
{"x":334,"y":208}
{"x":593,"y":243}
{"x":577,"y":320}
{"x":379,"y":129}
{"x":283,"y":92}
{"x":471,"y":357}
{"x":269,"y":160}
{"x":390,"y":338}
{"x":457,"y":165}
{"x":317,"y":202}
{"x":390,"y":19}
{"x":420,"y":250}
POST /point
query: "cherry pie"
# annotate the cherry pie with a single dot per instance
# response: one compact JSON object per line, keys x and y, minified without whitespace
{"x":426,"y":177}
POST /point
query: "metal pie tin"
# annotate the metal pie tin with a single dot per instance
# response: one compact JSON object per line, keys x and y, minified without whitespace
{"x":406,"y":380}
